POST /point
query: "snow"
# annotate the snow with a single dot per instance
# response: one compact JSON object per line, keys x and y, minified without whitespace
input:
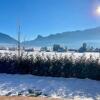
{"x":79,"y":89}
{"x":51,"y":54}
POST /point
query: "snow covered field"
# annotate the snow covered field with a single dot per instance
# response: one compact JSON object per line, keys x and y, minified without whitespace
{"x":79,"y":89}
{"x":51,"y":54}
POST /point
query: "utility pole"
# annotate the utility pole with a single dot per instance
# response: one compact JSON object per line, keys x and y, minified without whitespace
{"x":19,"y":47}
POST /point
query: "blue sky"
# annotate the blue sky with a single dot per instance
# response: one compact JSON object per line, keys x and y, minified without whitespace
{"x":46,"y":17}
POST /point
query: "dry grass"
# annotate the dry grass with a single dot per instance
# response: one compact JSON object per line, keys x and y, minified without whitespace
{"x":24,"y":98}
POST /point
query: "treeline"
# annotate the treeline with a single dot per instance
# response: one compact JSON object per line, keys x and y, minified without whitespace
{"x":59,"y":48}
{"x":64,"y":66}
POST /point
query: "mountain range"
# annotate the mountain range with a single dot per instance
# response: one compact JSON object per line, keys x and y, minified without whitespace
{"x":71,"y":39}
{"x":6,"y":40}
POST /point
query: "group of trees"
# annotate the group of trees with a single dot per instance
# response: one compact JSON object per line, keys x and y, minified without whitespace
{"x":55,"y":48}
{"x":58,"y":48}
{"x":83,"y":48}
{"x":44,"y":49}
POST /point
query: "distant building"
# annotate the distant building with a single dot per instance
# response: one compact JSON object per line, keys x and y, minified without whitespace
{"x":3,"y":48}
{"x":29,"y":49}
{"x":73,"y":50}
{"x":12,"y":48}
{"x":97,"y":50}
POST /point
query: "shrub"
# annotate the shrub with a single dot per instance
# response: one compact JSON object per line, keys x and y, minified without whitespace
{"x":81,"y":67}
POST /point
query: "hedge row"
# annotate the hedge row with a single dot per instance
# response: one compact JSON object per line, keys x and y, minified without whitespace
{"x":67,"y":67}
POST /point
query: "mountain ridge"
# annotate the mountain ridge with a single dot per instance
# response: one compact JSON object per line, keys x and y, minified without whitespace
{"x":6,"y":39}
{"x":70,"y":38}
